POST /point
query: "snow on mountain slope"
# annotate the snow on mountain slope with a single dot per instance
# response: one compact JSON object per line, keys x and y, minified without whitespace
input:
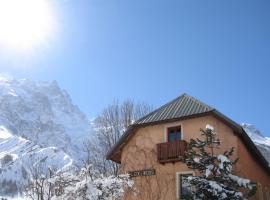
{"x":42,"y":113}
{"x":37,"y":121}
{"x":18,"y":155}
{"x":263,"y":143}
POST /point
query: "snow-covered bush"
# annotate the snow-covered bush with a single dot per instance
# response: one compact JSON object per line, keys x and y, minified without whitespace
{"x":215,"y":179}
{"x":86,"y":184}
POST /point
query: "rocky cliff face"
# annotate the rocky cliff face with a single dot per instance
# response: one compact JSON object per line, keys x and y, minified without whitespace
{"x":38,"y":121}
{"x":263,"y":143}
{"x":43,"y":113}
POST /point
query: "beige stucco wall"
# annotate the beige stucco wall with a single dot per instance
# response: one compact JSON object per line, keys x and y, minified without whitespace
{"x":250,"y":168}
{"x":140,"y":153}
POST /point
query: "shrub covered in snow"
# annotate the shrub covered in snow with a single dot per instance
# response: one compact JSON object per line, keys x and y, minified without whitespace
{"x":86,"y":184}
{"x":215,"y":179}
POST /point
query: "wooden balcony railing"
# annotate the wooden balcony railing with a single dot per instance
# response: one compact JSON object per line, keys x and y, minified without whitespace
{"x":171,"y":151}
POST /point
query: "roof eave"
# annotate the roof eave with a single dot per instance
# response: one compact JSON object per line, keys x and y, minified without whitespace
{"x":111,"y":155}
{"x":245,"y":138}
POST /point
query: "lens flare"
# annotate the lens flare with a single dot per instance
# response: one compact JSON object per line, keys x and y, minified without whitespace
{"x":25,"y":23}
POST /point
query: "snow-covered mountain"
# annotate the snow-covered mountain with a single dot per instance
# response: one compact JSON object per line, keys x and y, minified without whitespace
{"x":42,"y":113}
{"x":263,"y":143}
{"x":37,"y":118}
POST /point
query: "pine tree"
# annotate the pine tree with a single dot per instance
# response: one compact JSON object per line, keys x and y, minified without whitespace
{"x":215,"y":179}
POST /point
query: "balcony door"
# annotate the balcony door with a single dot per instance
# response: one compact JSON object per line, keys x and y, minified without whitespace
{"x":174,"y":134}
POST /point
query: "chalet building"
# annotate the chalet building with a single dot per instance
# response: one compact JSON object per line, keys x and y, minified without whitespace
{"x":151,"y":150}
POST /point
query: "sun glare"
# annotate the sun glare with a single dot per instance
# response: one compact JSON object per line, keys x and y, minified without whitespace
{"x":25,"y":23}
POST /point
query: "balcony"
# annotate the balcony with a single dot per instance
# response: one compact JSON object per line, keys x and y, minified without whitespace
{"x":171,"y":151}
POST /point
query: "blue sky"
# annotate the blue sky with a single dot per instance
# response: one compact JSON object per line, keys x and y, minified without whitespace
{"x":153,"y":51}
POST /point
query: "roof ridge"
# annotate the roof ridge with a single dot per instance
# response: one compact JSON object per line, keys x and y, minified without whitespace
{"x":198,"y":101}
{"x":159,"y":108}
{"x":202,"y":107}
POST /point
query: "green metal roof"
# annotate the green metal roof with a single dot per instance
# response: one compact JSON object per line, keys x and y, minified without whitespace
{"x":182,"y":106}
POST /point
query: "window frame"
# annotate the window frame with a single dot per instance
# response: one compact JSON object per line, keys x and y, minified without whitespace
{"x":174,"y":133}
{"x":171,"y":125}
{"x":178,"y":179}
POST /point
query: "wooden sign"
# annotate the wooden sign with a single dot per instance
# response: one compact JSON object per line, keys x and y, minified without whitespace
{"x":146,"y":172}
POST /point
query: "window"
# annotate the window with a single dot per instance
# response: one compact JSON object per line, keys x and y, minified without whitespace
{"x":184,"y":189}
{"x":174,"y":134}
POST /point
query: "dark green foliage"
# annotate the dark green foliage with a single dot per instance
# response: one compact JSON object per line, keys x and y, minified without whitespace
{"x":215,"y":179}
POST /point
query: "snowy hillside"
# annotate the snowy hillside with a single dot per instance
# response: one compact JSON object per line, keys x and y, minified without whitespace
{"x":18,"y":155}
{"x":263,"y":143}
{"x":37,"y":122}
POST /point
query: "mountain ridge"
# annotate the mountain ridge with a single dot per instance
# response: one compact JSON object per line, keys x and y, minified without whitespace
{"x":35,"y":110}
{"x":262,"y":142}
{"x":38,"y":122}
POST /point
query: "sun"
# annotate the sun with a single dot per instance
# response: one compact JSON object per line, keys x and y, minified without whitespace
{"x":25,"y":23}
